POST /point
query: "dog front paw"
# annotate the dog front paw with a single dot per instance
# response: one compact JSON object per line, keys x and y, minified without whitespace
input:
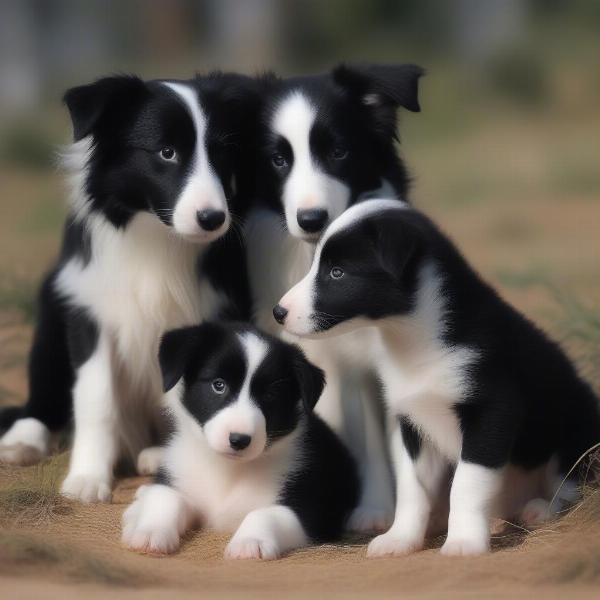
{"x":21,"y":455}
{"x":393,"y":544}
{"x":146,"y":537}
{"x":87,"y":488}
{"x":465,"y":546}
{"x":148,"y":460}
{"x":245,"y":548}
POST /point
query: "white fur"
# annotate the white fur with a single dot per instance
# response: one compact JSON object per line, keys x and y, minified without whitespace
{"x":474,"y":490}
{"x":139,"y":282}
{"x":149,"y":460}
{"x":26,"y":442}
{"x":216,"y":491}
{"x":203,"y":189}
{"x":306,"y":186}
{"x":243,"y":415}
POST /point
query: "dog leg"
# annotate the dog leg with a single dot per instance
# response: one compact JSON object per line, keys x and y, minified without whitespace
{"x":25,"y":443}
{"x":156,"y":520}
{"x":474,"y":489}
{"x":267,"y":533}
{"x":149,"y":460}
{"x":94,"y":451}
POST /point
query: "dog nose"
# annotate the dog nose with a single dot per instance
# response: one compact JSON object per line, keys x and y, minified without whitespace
{"x":280,"y":313}
{"x":210,"y":219}
{"x":312,"y":220}
{"x":239,"y":441}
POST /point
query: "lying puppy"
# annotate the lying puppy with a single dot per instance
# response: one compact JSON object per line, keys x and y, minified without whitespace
{"x":470,"y":381}
{"x":153,"y":170}
{"x":247,"y":452}
{"x":326,"y":142}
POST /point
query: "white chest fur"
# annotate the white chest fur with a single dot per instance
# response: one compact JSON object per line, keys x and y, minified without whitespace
{"x":424,"y":378}
{"x":139,"y":282}
{"x":223,"y":491}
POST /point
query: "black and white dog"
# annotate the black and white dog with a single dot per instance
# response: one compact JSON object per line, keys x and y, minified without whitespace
{"x":327,"y":142}
{"x":470,"y":381}
{"x":153,"y":170}
{"x":247,"y":453}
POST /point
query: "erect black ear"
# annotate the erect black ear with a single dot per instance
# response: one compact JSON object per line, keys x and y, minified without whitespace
{"x":311,"y":380}
{"x":177,"y":348}
{"x":87,"y":103}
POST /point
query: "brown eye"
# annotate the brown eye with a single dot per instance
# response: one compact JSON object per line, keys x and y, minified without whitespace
{"x":167,"y":153}
{"x":336,"y":273}
{"x":219,"y":386}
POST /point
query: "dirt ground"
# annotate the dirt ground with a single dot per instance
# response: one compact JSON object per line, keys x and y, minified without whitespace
{"x":528,"y":226}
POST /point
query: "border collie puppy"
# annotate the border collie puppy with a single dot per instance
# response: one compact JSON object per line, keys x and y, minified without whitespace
{"x":247,"y":453}
{"x":325,"y":143}
{"x":472,"y":384}
{"x":153,"y":170}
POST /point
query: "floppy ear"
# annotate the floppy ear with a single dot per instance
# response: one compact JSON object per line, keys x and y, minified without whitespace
{"x":382,"y":89}
{"x":87,"y":103}
{"x":311,"y":380}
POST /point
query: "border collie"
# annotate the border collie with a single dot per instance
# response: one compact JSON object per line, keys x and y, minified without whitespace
{"x":471,"y":383}
{"x":153,"y":173}
{"x":327,"y":142}
{"x":247,"y":452}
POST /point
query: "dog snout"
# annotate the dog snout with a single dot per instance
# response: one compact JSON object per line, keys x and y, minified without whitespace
{"x":210,"y":219}
{"x":239,"y":441}
{"x":312,"y":220}
{"x":280,"y":313}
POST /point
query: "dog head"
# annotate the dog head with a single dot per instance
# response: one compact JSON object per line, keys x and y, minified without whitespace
{"x":365,"y":268}
{"x":245,"y":389}
{"x":169,"y":148}
{"x":329,"y":140}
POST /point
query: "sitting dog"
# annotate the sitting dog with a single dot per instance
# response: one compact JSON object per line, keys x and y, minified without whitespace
{"x":470,"y":382}
{"x":247,"y":452}
{"x":325,"y":143}
{"x":153,"y":172}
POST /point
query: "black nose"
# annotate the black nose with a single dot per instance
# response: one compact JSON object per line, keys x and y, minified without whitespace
{"x":312,"y":220}
{"x":210,"y":219}
{"x":280,"y":313}
{"x":239,"y":441}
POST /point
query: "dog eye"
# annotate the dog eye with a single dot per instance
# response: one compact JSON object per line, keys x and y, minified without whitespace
{"x":336,"y":273}
{"x":339,"y":153}
{"x":167,"y":153}
{"x":279,"y":161}
{"x":219,"y":386}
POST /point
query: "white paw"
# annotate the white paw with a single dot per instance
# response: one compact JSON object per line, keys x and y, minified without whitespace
{"x":141,"y":536}
{"x":244,"y":548}
{"x":366,"y":519}
{"x":19,"y":454}
{"x":536,"y":512}
{"x":393,"y":544}
{"x":87,"y":488}
{"x":465,"y":546}
{"x":148,"y":460}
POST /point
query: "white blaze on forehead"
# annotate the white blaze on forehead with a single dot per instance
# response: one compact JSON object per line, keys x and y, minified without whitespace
{"x":307,"y":186}
{"x":203,"y":189}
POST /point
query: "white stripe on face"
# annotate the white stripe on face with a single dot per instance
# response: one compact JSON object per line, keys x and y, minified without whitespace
{"x":203,"y":189}
{"x":307,"y":186}
{"x":242,"y":416}
{"x":300,"y":300}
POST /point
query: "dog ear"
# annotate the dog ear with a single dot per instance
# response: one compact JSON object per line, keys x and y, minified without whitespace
{"x":88,"y":103}
{"x":311,"y":380}
{"x":382,"y":89}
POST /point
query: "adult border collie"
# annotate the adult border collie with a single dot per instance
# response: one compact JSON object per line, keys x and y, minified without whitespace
{"x":247,"y":452}
{"x":325,"y":143}
{"x":153,"y":172}
{"x":470,"y":381}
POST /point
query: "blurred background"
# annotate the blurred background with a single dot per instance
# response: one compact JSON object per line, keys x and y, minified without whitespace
{"x":505,"y":153}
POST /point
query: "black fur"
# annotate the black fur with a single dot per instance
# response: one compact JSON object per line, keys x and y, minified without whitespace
{"x":354,"y":136}
{"x":324,"y":489}
{"x":527,"y":402}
